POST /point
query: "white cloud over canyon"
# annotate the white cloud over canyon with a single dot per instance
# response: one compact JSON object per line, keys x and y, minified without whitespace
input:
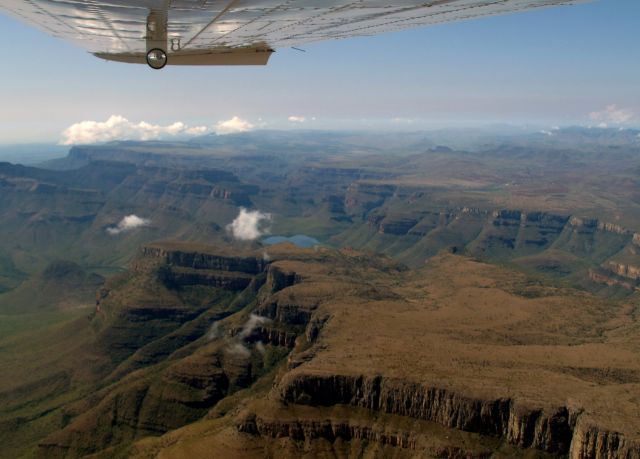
{"x":128,"y":223}
{"x":233,"y":126}
{"x":249,"y":225}
{"x":118,"y":127}
{"x":612,"y":115}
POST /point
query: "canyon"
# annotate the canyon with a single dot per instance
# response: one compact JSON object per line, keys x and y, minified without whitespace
{"x":461,"y":302}
{"x":320,"y":345}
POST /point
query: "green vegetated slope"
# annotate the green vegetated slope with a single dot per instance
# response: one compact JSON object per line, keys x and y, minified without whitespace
{"x":564,"y":207}
{"x":507,"y":197}
{"x":318,"y":351}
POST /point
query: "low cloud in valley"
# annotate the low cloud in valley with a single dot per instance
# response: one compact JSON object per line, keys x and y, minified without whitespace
{"x":128,"y":223}
{"x":249,"y":225}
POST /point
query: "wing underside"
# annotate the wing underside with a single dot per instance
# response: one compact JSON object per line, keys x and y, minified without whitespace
{"x":240,"y":31}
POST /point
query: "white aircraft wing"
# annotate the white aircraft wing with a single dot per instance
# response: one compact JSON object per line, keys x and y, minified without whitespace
{"x":206,"y":32}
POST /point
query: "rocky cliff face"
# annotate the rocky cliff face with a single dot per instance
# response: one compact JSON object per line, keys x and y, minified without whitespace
{"x":325,"y":429}
{"x":589,"y":441}
{"x":561,"y":244}
{"x":553,"y":430}
{"x":547,"y":430}
{"x":137,"y":335}
{"x":220,"y":279}
{"x":203,"y":343}
{"x":603,"y":276}
{"x":200,"y":260}
{"x":624,"y":270}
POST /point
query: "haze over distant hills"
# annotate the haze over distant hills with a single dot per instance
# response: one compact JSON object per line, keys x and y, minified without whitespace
{"x":132,"y":307}
{"x":31,"y":153}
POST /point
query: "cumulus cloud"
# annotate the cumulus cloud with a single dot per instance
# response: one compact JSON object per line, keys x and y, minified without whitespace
{"x":249,"y":225}
{"x":297,"y":119}
{"x":251,"y":324}
{"x":128,"y":223}
{"x":612,"y":115}
{"x":120,"y":128}
{"x":233,"y":126}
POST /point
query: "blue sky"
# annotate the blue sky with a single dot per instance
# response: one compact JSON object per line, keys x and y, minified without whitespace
{"x":549,"y":67}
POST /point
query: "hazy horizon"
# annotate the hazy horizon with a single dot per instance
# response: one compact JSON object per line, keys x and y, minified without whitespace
{"x":563,"y":66}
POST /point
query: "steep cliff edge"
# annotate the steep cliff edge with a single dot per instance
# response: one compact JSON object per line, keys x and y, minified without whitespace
{"x":556,"y":244}
{"x":459,"y":359}
{"x":352,"y":354}
{"x":181,"y":336}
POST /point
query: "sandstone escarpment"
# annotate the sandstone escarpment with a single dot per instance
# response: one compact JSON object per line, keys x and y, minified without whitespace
{"x":602,"y":276}
{"x":554,"y":430}
{"x":340,"y":350}
{"x":624,"y":270}
{"x":305,"y":430}
{"x":283,"y":311}
{"x":544,"y":429}
{"x":356,"y":433}
{"x":171,"y":291}
{"x":273,"y":336}
{"x":199,"y":260}
{"x":576,"y":243}
{"x":589,"y":225}
{"x":618,"y":271}
{"x":590,"y":441}
{"x":219,"y":279}
{"x":279,"y":278}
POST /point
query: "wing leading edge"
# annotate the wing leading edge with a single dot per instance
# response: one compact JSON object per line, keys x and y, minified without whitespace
{"x":237,"y":32}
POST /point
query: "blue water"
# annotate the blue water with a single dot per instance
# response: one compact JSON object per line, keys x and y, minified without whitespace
{"x":299,"y":239}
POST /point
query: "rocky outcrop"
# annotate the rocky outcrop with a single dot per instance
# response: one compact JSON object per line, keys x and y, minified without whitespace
{"x":507,"y":217}
{"x":279,"y":278}
{"x":273,"y":336}
{"x":590,"y":441}
{"x":539,"y":229}
{"x":200,"y":260}
{"x":601,"y":276}
{"x":613,"y":228}
{"x":283,"y":312}
{"x":304,"y":430}
{"x":624,"y":270}
{"x":228,"y":281}
{"x":589,"y":225}
{"x":546,"y":220}
{"x":546,"y":429}
{"x":502,"y":234}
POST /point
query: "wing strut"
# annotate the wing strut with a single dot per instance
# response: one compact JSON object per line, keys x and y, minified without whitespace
{"x":157,"y":38}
